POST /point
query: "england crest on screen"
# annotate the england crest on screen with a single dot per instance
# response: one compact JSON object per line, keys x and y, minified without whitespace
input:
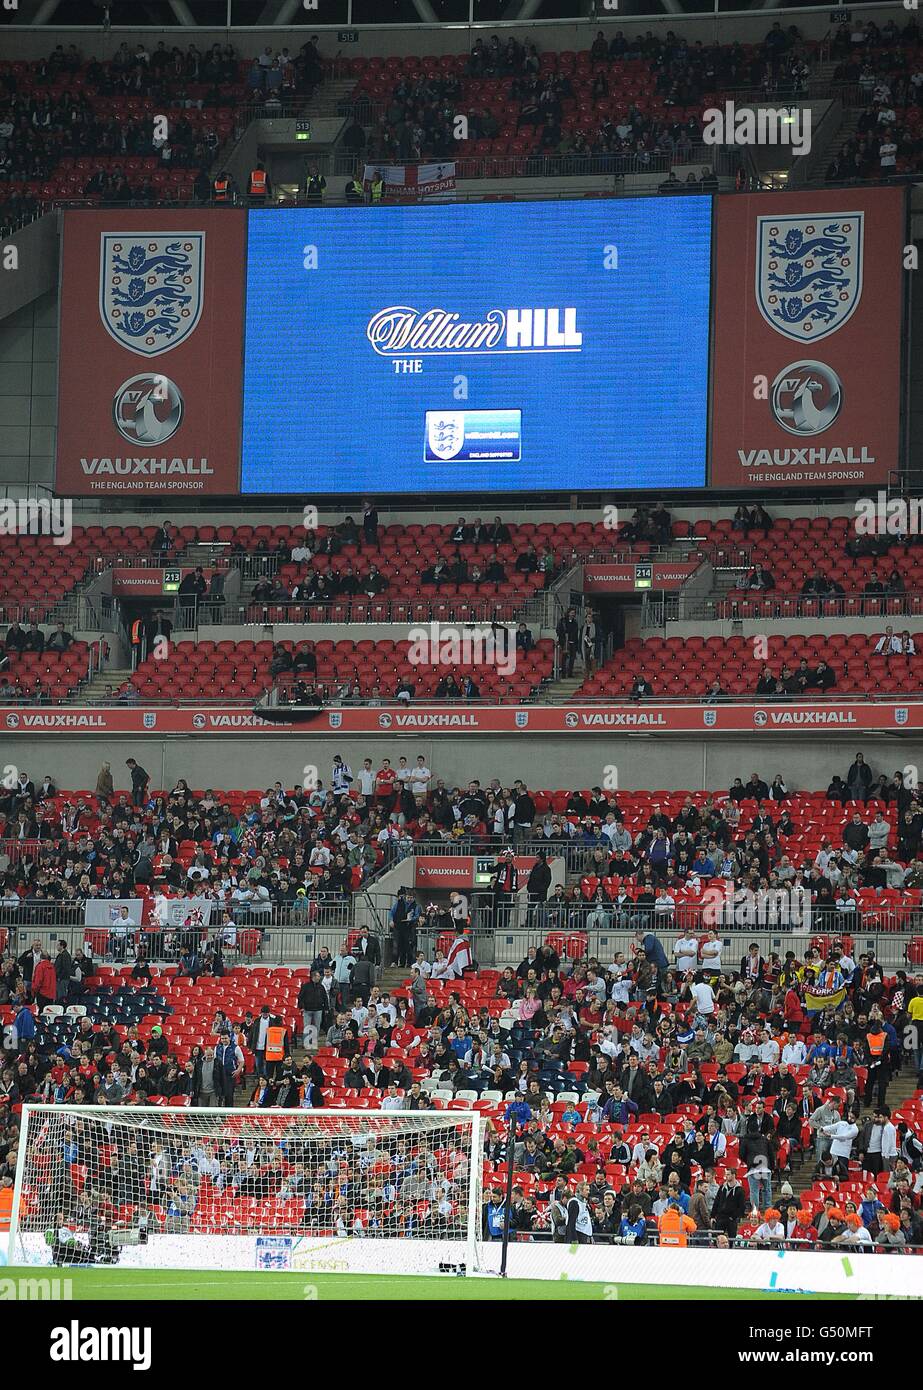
{"x":151,"y":288}
{"x":809,"y":273}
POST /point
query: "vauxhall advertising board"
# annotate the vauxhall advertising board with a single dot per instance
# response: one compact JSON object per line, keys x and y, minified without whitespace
{"x":557,"y":346}
{"x":806,"y":376}
{"x":150,"y":352}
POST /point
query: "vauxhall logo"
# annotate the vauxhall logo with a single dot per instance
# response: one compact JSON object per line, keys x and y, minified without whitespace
{"x":400,"y":330}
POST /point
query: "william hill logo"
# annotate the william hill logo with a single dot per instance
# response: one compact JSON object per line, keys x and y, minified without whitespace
{"x":401,"y":330}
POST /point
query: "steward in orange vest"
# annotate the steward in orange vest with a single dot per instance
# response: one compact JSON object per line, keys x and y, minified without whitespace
{"x":221,"y":189}
{"x":259,"y":185}
{"x":275,"y":1043}
{"x":6,"y":1207}
{"x":675,"y":1226}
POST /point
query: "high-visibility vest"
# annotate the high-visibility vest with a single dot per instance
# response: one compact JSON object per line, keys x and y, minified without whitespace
{"x":258,"y":183}
{"x":673,"y":1227}
{"x":877,"y":1043}
{"x":137,"y":632}
{"x":378,"y":186}
{"x":6,"y":1207}
{"x":221,"y":190}
{"x":275,"y":1043}
{"x":356,"y":187}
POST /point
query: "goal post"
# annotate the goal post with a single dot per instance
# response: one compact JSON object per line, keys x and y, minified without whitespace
{"x":352,"y":1190}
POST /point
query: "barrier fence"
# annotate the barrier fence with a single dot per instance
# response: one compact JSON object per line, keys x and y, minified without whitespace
{"x":502,"y":929}
{"x":279,"y":937}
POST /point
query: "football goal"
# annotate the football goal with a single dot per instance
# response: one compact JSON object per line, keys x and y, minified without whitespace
{"x":325,"y":1190}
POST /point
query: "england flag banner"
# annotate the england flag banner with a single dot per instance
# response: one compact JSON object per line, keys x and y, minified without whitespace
{"x":426,"y":180}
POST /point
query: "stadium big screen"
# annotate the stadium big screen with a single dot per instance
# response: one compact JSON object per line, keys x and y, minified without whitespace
{"x":477,"y":347}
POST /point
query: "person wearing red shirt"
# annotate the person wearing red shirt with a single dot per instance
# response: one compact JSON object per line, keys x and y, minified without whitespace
{"x":591,"y":1015}
{"x":44,"y":982}
{"x":803,"y":1229}
{"x":385,"y":778}
{"x":792,"y":1010}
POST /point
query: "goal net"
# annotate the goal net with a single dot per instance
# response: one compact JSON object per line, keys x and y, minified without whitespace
{"x":323,"y":1190}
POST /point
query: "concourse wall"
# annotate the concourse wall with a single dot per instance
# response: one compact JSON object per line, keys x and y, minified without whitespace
{"x":806,"y":761}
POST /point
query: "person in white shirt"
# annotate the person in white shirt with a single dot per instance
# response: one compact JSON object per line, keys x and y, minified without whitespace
{"x":686,"y":952}
{"x":366,"y":778}
{"x":711,"y":953}
{"x":423,"y":965}
{"x":621,"y":980}
{"x":642,"y":1147}
{"x":853,"y":1233}
{"x":771,"y":1228}
{"x":441,"y":969}
{"x":842,"y":1135}
{"x":704,"y":997}
{"x":847,"y":964}
{"x":420,"y":777}
{"x":391,"y":1100}
{"x":769,"y":1050}
{"x":794,"y":1053}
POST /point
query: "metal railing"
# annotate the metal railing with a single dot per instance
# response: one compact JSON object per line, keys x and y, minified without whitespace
{"x":374,"y":610}
{"x":509,"y":942}
{"x":776,"y":605}
{"x":549,"y":166}
{"x":502,"y":930}
{"x":280,"y":936}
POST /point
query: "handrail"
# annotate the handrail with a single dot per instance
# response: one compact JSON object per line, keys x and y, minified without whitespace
{"x":778,"y":606}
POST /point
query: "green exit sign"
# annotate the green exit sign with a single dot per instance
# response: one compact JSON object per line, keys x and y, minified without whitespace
{"x":302,"y":130}
{"x":644,"y":575}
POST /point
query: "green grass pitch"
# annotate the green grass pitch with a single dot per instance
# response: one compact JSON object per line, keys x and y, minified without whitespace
{"x":193,"y":1285}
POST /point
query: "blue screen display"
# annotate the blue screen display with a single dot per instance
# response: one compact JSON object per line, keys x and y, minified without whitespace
{"x":472,"y":347}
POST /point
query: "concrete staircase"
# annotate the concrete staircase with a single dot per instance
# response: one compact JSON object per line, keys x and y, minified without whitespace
{"x":902,"y":1087}
{"x":324,"y":105}
{"x":564,"y":688}
{"x":821,"y":156}
{"x":95,"y":689}
{"x":392,"y":977}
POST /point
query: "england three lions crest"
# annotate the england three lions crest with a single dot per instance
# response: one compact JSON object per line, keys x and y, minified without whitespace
{"x":150,"y":288}
{"x":809,"y":273}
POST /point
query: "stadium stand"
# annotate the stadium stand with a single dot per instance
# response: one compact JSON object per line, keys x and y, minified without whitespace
{"x":686,"y":1015}
{"x":790,"y":667}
